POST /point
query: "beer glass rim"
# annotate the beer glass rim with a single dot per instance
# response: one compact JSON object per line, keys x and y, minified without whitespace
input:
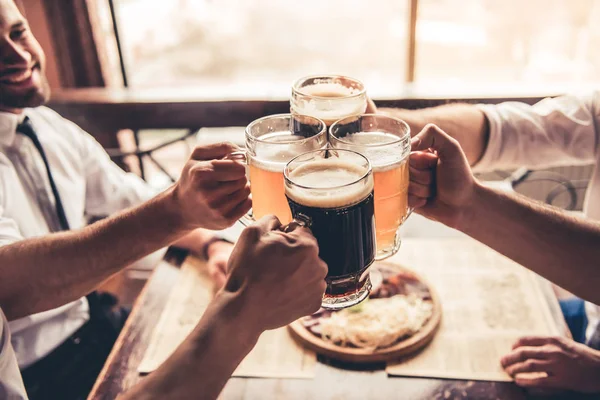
{"x":287,"y":178}
{"x":296,"y":86}
{"x":399,"y":139}
{"x":250,"y":136}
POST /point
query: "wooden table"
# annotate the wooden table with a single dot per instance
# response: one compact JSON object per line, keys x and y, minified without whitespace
{"x":333,"y":380}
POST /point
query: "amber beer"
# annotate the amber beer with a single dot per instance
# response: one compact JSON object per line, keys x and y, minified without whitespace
{"x":328,"y":97}
{"x":332,"y":192}
{"x":386,"y":143}
{"x":270,"y":143}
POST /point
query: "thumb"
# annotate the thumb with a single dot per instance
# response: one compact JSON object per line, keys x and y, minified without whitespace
{"x":432,"y":137}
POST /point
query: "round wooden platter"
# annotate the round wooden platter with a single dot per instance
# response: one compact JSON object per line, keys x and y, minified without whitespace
{"x":355,"y":355}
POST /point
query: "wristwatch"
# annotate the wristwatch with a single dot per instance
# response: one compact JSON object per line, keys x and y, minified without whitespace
{"x":209,"y":242}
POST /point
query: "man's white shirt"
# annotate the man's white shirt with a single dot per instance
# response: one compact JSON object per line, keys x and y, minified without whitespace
{"x":554,"y":132}
{"x":89,"y":184}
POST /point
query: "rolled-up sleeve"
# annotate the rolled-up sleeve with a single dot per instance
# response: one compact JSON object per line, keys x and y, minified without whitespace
{"x":554,"y":132}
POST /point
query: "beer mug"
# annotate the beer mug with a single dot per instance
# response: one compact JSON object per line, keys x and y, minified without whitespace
{"x":270,"y":143}
{"x":330,"y":191}
{"x":328,"y":97}
{"x":385,"y":141}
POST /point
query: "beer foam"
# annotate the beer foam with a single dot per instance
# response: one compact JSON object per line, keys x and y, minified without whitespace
{"x":285,"y":147}
{"x":322,"y":180}
{"x":370,"y":144}
{"x":332,"y":102}
{"x":331,"y":89}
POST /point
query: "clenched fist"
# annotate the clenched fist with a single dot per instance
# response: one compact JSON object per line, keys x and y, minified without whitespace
{"x":441,"y":183}
{"x":279,"y":276}
{"x":212,"y":192}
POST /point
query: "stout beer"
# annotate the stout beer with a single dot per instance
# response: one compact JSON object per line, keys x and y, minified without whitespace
{"x":332,"y":192}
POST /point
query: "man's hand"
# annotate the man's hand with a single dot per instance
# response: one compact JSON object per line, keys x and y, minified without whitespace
{"x":212,"y":193}
{"x":279,"y":276}
{"x":371,"y":107}
{"x":562,"y":364}
{"x":441,"y":182}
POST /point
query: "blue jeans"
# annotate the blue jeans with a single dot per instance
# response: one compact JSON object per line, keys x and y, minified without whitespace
{"x":573,"y":310}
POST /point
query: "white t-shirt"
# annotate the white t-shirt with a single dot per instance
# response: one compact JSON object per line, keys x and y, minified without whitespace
{"x":11,"y":384}
{"x":561,"y":131}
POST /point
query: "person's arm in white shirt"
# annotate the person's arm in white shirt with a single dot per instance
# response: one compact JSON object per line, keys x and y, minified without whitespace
{"x":109,"y":189}
{"x":561,"y":247}
{"x":42,"y":273}
{"x":267,"y":264}
{"x":558,"y":131}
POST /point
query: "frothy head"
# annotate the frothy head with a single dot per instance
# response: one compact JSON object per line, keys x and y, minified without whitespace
{"x":384,"y":150}
{"x":329,"y":101}
{"x":328,"y":183}
{"x":329,"y":90}
{"x":277,"y":148}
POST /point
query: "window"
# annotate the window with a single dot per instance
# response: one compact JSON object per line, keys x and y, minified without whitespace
{"x":509,"y":42}
{"x":256,"y":48}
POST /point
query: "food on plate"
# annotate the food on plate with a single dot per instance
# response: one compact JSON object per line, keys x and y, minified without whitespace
{"x":396,"y":310}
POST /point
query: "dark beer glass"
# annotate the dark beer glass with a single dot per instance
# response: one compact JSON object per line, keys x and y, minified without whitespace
{"x":331,"y":192}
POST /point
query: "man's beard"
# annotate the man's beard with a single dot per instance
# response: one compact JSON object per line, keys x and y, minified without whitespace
{"x":34,"y":97}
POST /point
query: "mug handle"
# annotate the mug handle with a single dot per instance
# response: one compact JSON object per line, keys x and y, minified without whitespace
{"x":300,"y":221}
{"x":242,"y":156}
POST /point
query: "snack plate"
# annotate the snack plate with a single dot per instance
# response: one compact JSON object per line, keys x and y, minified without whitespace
{"x":403,"y":348}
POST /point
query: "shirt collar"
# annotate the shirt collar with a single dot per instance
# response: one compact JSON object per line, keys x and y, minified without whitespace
{"x":8,"y":127}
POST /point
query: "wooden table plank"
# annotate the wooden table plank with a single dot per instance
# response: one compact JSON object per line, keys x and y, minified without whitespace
{"x":120,"y":371}
{"x":334,"y":380}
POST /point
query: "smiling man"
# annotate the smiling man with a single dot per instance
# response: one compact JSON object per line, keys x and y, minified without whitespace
{"x":53,"y":177}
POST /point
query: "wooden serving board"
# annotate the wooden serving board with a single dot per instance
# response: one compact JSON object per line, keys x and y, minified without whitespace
{"x":350,"y":354}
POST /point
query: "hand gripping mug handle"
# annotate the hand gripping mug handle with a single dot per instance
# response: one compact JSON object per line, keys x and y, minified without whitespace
{"x":242,"y":156}
{"x":300,"y":221}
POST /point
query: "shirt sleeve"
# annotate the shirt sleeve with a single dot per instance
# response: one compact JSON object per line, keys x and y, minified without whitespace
{"x":11,"y":383}
{"x":554,"y":132}
{"x":109,"y":189}
{"x":9,"y":230}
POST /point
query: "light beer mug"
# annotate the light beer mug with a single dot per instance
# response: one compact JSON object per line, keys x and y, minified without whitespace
{"x":328,"y":97}
{"x":385,"y":141}
{"x":271,"y":142}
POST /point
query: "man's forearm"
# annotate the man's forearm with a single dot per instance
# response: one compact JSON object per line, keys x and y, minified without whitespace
{"x":561,"y":247}
{"x":464,"y":122}
{"x":42,"y":273}
{"x":203,"y":363}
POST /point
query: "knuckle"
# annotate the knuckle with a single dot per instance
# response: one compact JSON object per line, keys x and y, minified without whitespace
{"x":551,"y":351}
{"x":431,"y":128}
{"x":322,"y":287}
{"x":214,"y":202}
{"x":556,"y":340}
{"x":252,"y":232}
{"x":323,"y":269}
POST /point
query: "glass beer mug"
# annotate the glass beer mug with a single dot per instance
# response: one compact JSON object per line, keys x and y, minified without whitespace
{"x":385,"y":141}
{"x":330,"y":191}
{"x":270,"y":143}
{"x":328,"y":97}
